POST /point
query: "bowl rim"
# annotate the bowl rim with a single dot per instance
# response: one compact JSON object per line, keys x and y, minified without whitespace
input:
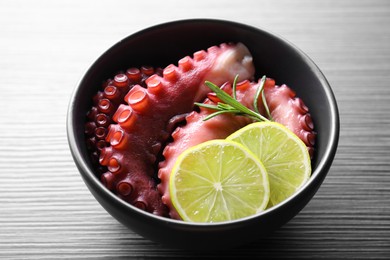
{"x":317,"y":175}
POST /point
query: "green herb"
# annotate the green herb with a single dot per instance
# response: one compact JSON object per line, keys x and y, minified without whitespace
{"x":260,"y":90}
{"x":231,"y":105}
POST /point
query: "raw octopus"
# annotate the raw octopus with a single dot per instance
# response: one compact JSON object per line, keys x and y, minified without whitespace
{"x":284,"y":106}
{"x":146,"y":121}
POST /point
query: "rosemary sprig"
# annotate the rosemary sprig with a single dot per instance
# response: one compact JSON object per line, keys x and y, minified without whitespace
{"x":231,"y":105}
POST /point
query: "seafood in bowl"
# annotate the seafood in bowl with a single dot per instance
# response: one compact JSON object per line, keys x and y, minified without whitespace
{"x":144,"y":114}
{"x":154,"y":107}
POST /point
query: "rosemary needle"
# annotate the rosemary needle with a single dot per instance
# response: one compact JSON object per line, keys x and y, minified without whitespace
{"x":232,"y":105}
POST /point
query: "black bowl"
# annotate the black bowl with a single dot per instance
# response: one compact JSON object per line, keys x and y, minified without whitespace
{"x":164,"y":44}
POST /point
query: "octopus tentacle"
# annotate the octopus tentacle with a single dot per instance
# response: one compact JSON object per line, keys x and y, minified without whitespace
{"x":105,"y":103}
{"x":144,"y":119}
{"x":290,"y":111}
{"x":282,"y":102}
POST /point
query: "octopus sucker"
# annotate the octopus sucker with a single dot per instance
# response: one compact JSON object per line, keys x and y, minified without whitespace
{"x":154,"y":85}
{"x":125,"y":117}
{"x":100,"y":132}
{"x":121,"y":80}
{"x":137,"y":98}
{"x":144,"y":122}
{"x":185,"y":64}
{"x":200,"y":55}
{"x":170,"y":73}
{"x":124,"y":187}
{"x":105,"y":106}
{"x":107,"y":179}
{"x":112,"y":93}
{"x":102,"y":120}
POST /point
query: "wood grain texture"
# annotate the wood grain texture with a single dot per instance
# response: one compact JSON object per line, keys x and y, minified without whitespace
{"x":46,"y":211}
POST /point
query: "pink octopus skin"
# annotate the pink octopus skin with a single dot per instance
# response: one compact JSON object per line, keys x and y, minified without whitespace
{"x":105,"y":102}
{"x":143,"y":124}
{"x":285,"y":108}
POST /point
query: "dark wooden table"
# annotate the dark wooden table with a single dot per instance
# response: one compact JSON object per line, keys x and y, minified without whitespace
{"x":46,"y":211}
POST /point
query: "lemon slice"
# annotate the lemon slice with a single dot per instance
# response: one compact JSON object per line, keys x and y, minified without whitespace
{"x":218,"y":181}
{"x":282,"y":153}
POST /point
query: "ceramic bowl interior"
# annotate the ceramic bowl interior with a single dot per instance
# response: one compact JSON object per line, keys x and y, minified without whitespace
{"x":164,"y":44}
